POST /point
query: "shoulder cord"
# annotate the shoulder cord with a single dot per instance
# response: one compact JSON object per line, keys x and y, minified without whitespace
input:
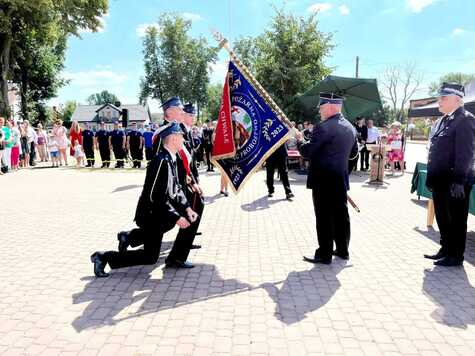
{"x":155,"y":180}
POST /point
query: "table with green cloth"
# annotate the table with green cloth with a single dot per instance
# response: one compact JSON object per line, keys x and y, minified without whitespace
{"x":419,"y":185}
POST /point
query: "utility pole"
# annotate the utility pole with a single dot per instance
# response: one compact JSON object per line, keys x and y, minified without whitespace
{"x":357,"y":66}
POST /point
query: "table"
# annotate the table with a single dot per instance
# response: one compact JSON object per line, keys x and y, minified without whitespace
{"x":419,"y":185}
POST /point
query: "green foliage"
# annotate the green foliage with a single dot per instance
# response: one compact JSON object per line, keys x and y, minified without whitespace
{"x":175,"y":64}
{"x":68,"y":110}
{"x":288,"y":58}
{"x":454,"y":77}
{"x":104,"y":97}
{"x":32,"y":44}
{"x":213,"y":104}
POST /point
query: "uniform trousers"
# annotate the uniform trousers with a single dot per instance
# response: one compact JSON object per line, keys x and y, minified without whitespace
{"x":89,"y":151}
{"x":148,"y":153}
{"x":119,"y":154}
{"x":281,"y":167}
{"x":451,"y":215}
{"x":332,"y":220}
{"x":105,"y":155}
{"x":137,"y":155}
{"x":150,"y":237}
{"x":185,"y":237}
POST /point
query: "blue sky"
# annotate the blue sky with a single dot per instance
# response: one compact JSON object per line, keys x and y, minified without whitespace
{"x":438,"y":35}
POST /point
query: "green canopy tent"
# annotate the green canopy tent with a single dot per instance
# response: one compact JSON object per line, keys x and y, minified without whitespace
{"x":361,"y":97}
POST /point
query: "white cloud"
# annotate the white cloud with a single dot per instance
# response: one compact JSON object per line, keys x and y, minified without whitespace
{"x":141,"y":29}
{"x":95,"y":79}
{"x":218,"y":72}
{"x":320,"y":7}
{"x":458,"y":32}
{"x":192,"y":17}
{"x":344,"y":9}
{"x":418,"y":5}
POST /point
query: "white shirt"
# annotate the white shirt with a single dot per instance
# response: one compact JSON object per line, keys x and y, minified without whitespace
{"x":373,"y":134}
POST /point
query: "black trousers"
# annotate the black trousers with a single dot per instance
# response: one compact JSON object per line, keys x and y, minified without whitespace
{"x":32,"y":153}
{"x":353,"y":164}
{"x":148,"y":236}
{"x":451,"y":215}
{"x":208,"y":150}
{"x":105,"y":155}
{"x":332,"y":220}
{"x":89,"y":151}
{"x":185,"y":237}
{"x":281,"y":166}
{"x":119,"y":154}
{"x":148,"y":153}
{"x":364,"y":158}
{"x":137,"y":156}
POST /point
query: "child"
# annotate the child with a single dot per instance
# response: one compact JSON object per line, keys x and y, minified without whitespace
{"x":78,"y":153}
{"x":53,"y":150}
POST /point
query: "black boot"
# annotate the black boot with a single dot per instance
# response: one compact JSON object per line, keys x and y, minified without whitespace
{"x":99,"y":264}
{"x":439,"y":255}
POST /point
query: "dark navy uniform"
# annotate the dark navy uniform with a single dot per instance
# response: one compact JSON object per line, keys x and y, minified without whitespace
{"x":188,"y":175}
{"x":102,"y":137}
{"x":117,"y":140}
{"x":451,"y":166}
{"x":88,"y":145}
{"x":278,"y":160}
{"x":333,"y":141}
{"x":136,"y":149}
{"x":208,"y":146}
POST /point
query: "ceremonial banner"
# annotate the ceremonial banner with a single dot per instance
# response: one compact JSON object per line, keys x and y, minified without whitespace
{"x":223,"y":146}
{"x":256,"y":130}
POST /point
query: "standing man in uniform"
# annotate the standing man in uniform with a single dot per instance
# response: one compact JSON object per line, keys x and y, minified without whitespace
{"x":118,"y":142}
{"x":362,"y":135}
{"x":278,"y":160}
{"x":332,"y":142}
{"x":147,"y":138}
{"x":450,"y":173}
{"x":188,"y":176}
{"x":208,"y":144}
{"x":103,"y":145}
{"x":161,"y":206}
{"x":88,"y":145}
{"x":135,"y":145}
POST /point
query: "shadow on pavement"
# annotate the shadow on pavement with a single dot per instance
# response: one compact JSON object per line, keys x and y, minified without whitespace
{"x":126,"y":187}
{"x":304,"y":292}
{"x":454,"y":296}
{"x":112,"y":299}
{"x":262,"y":203}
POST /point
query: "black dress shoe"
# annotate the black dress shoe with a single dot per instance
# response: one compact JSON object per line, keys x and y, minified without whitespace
{"x":289,"y":196}
{"x":123,"y":238}
{"x":198,"y":233}
{"x":343,"y":256}
{"x":270,"y":195}
{"x":195,"y":247}
{"x":318,"y":259}
{"x":437,"y":256}
{"x":179,"y":264}
{"x":449,"y":261}
{"x":99,"y":264}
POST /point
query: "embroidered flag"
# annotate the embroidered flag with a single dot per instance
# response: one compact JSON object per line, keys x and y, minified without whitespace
{"x":223,"y":146}
{"x":256,"y":130}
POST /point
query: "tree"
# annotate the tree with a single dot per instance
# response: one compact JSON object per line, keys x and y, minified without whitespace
{"x":454,"y":77}
{"x":175,"y":63}
{"x":20,"y":16}
{"x":400,"y":82}
{"x":288,"y":58}
{"x":104,"y":97}
{"x":68,"y":110}
{"x":213,"y":104}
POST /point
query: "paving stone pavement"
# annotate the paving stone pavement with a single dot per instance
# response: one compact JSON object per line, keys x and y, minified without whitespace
{"x":250,"y":292}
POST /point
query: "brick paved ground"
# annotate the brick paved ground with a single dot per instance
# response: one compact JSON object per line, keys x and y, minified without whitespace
{"x":250,"y":292}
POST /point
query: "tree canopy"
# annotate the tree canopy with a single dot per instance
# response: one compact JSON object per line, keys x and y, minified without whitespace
{"x":454,"y":77}
{"x":104,"y":97}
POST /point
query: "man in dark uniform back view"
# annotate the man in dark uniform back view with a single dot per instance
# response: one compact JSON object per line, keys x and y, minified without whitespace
{"x":118,"y":142}
{"x":135,"y":144}
{"x":450,"y":173}
{"x":208,"y":144}
{"x":161,"y":206}
{"x":103,"y":145}
{"x":333,"y":141}
{"x":88,"y":145}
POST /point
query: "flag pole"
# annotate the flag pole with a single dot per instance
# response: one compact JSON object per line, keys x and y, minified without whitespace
{"x":223,"y":43}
